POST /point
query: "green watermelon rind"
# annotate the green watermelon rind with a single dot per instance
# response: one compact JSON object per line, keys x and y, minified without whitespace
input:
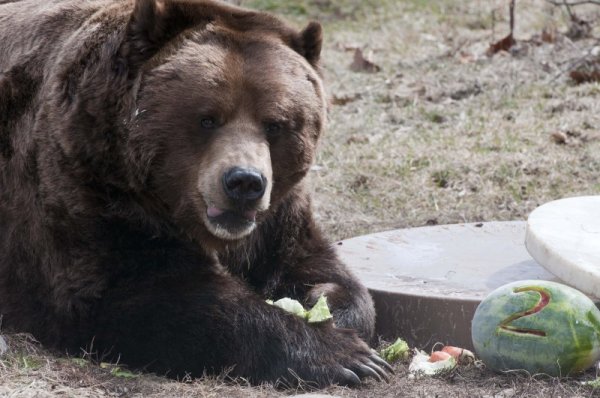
{"x":570,"y":321}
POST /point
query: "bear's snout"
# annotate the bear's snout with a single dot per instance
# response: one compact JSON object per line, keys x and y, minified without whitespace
{"x":235,"y":181}
{"x":243,"y":185}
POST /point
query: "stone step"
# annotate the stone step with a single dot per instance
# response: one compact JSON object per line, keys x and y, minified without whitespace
{"x":427,"y":282}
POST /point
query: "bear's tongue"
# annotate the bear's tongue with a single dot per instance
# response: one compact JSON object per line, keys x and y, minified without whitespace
{"x":214,"y":212}
{"x":250,"y":215}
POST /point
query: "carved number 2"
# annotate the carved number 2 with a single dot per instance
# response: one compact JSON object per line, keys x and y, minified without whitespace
{"x":543,"y":301}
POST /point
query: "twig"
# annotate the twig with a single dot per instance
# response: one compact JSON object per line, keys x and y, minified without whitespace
{"x":512,"y":16}
{"x":571,"y":14}
{"x":493,"y":25}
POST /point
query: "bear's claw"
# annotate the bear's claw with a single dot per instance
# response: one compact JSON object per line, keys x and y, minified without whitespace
{"x":381,"y":362}
{"x":349,"y":378}
{"x":373,"y":366}
{"x":378,"y":369}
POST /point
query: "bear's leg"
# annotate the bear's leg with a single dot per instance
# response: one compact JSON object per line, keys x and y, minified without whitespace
{"x":296,"y":261}
{"x":211,"y":321}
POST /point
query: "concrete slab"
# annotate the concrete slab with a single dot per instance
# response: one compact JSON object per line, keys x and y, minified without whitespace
{"x":564,"y":237}
{"x":427,"y":282}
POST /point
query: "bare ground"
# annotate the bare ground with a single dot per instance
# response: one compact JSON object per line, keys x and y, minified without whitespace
{"x":441,"y":134}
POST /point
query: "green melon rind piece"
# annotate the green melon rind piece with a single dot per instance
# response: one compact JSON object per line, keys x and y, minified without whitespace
{"x":291,"y":305}
{"x":420,"y":365}
{"x":396,"y":351}
{"x":570,"y":321}
{"x":318,"y":313}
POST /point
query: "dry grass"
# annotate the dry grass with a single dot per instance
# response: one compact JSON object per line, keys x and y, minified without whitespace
{"x":442,"y":134}
{"x":445,"y":134}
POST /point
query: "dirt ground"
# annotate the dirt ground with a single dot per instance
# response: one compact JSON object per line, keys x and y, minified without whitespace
{"x":431,"y":131}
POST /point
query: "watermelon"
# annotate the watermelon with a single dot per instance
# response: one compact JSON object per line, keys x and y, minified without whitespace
{"x":538,"y":326}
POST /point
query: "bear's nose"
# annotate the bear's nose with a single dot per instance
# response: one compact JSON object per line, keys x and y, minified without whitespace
{"x":244,"y":184}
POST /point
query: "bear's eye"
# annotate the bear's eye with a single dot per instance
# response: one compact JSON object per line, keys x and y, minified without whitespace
{"x":208,"y":123}
{"x":273,"y":128}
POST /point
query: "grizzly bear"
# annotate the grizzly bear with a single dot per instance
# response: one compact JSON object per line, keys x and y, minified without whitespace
{"x":153,"y":156}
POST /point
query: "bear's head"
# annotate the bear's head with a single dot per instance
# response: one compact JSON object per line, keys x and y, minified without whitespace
{"x":228,"y":110}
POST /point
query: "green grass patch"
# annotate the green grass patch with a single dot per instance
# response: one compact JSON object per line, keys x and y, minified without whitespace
{"x":29,"y":362}
{"x":442,"y":178}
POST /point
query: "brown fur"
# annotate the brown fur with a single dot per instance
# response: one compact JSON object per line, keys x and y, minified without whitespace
{"x":118,"y":124}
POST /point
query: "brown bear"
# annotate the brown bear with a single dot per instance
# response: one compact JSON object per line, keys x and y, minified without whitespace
{"x":152,"y":163}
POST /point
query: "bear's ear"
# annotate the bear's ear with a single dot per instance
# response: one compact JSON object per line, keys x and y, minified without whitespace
{"x":311,"y":41}
{"x":151,"y":24}
{"x":155,"y":22}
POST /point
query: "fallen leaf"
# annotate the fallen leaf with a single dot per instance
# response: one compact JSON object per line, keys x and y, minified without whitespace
{"x":549,"y":35}
{"x":362,"y":64}
{"x":582,"y":77}
{"x":586,"y":72}
{"x":502,"y":45}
